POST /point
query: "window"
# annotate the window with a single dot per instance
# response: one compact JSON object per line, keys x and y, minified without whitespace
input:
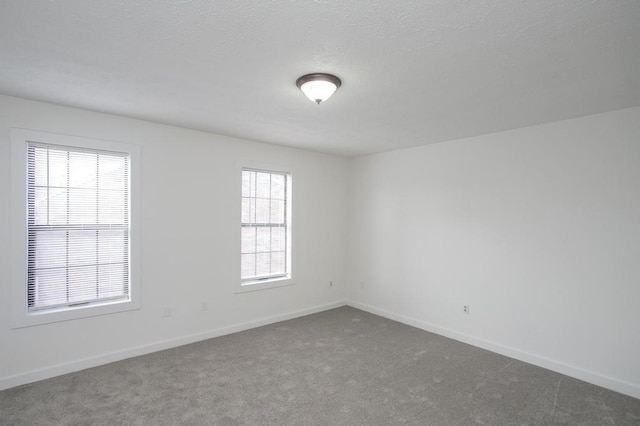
{"x":78,"y":228}
{"x":265,"y":226}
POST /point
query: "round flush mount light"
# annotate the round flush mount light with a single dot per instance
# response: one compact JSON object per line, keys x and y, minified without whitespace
{"x":318,"y":86}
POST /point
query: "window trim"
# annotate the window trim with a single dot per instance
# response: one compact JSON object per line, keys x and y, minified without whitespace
{"x":247,"y":285}
{"x":20,"y":314}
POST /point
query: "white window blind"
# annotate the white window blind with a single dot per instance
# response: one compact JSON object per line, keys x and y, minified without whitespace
{"x":78,"y":226}
{"x":265,"y":225}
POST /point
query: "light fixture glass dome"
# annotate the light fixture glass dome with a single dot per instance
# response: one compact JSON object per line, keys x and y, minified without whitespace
{"x":319,"y":86}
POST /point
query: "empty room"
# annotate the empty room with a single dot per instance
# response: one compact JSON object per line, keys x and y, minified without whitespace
{"x":320,"y":212}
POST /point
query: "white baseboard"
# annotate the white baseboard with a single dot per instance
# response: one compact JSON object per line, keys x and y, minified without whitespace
{"x":77,"y":365}
{"x":557,"y":366}
{"x":70,"y":367}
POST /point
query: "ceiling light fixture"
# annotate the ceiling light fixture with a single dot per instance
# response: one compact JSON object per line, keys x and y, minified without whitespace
{"x":318,"y":86}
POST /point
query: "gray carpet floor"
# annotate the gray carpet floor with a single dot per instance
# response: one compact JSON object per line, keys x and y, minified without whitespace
{"x":339,"y":367}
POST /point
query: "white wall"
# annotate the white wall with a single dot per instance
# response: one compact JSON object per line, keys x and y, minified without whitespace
{"x":537,"y":229}
{"x":189,"y":199}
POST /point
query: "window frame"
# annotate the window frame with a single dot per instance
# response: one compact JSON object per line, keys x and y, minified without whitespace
{"x":246,"y":285}
{"x":21,"y":316}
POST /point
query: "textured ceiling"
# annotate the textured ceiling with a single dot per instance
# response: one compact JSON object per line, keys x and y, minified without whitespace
{"x":413,"y":72}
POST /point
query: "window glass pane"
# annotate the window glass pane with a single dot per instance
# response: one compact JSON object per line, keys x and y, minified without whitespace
{"x":112,"y":281}
{"x":50,"y":250}
{"x":248,"y":265}
{"x":83,"y":283}
{"x":277,"y":211}
{"x":246,"y":184}
{"x":263,"y":185}
{"x":248,"y":240}
{"x":58,"y":206}
{"x":247,"y":210}
{"x":83,"y":247}
{"x":263,"y":264}
{"x":277,"y":187}
{"x":277,"y":262}
{"x":112,"y":172}
{"x":112,"y":245}
{"x":262,"y":210}
{"x":83,"y":205}
{"x":50,"y":288}
{"x":58,"y":165}
{"x":40,"y":167}
{"x":278,"y":238}
{"x":40,"y":207}
{"x":263,"y":240}
{"x":111,"y":207}
{"x":83,"y":170}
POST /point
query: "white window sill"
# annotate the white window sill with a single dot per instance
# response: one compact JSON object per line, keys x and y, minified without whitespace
{"x":246,"y":286}
{"x":27,"y":319}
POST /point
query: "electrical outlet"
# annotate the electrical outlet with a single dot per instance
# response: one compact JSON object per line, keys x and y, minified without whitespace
{"x":465,"y":309}
{"x":166,"y":312}
{"x":204,"y":306}
{"x":330,"y":283}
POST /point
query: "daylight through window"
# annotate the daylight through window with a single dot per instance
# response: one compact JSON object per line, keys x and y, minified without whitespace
{"x":78,"y":226}
{"x":265,"y":225}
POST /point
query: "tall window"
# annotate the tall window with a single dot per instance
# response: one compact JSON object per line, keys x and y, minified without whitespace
{"x":265,"y":238}
{"x":77,"y":226}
